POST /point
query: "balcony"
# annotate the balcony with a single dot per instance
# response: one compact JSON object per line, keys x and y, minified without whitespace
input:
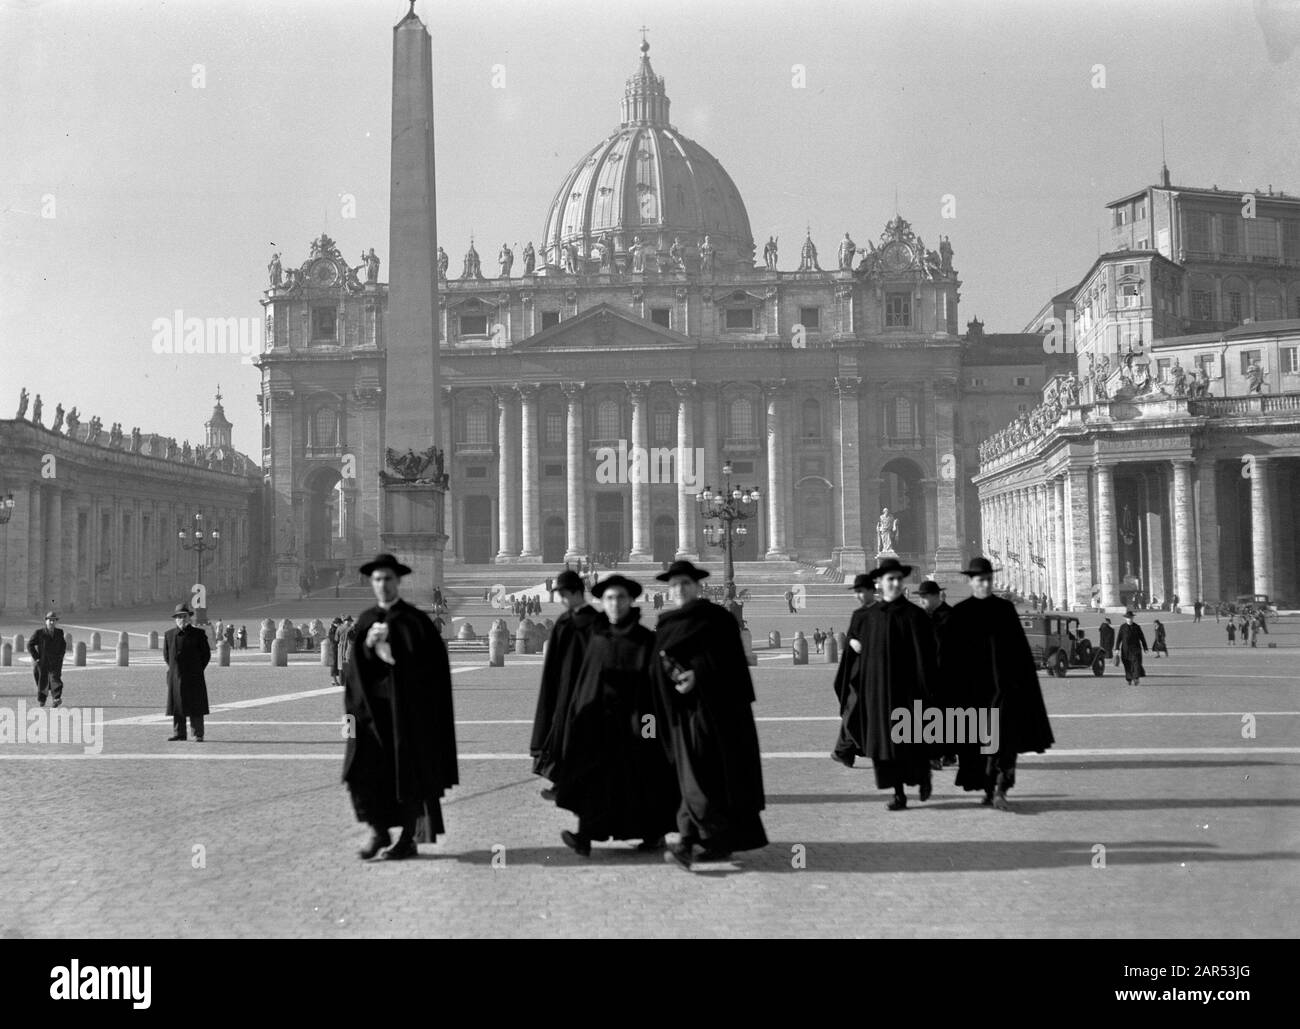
{"x":902,"y":443}
{"x":1254,"y":404}
{"x":475,"y":448}
{"x":322,"y":450}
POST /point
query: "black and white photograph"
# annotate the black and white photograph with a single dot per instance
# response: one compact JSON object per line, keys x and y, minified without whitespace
{"x":651,"y":470}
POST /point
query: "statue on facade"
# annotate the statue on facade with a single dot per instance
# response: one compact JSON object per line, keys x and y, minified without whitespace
{"x":530,"y":258}
{"x":1255,"y":378}
{"x":200,"y":454}
{"x":471,"y":269}
{"x":677,"y":254}
{"x":36,"y":410}
{"x":707,"y":250}
{"x":74,"y":421}
{"x":569,"y":258}
{"x":933,"y":266}
{"x":95,"y":430}
{"x":606,"y":244}
{"x":371,"y":261}
{"x":187,"y":453}
{"x":506,"y":260}
{"x":886,"y":532}
{"x":1072,"y":390}
{"x":443,"y":262}
{"x":847,"y":249}
{"x":171,"y":449}
{"x":808,"y":255}
{"x":58,"y":418}
{"x":288,"y":544}
{"x":945,"y":255}
{"x":769,"y":253}
{"x":22,"y":404}
{"x":135,"y":439}
{"x":115,"y":434}
{"x":1202,"y":382}
{"x":1178,"y":377}
{"x":636,"y":253}
{"x":274,"y":270}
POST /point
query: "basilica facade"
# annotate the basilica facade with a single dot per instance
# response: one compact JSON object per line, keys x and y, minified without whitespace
{"x":644,"y":320}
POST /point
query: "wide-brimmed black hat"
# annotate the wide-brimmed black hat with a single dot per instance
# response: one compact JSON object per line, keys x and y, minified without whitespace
{"x":683,"y":568}
{"x":631,"y":585}
{"x":1128,"y":614}
{"x":863,"y":581}
{"x":337,"y":620}
{"x":52,"y":614}
{"x":929,"y":588}
{"x":1106,"y":620}
{"x":890,"y":565}
{"x":569,"y":580}
{"x":385,"y":561}
{"x":182,"y":609}
{"x":978,"y":566}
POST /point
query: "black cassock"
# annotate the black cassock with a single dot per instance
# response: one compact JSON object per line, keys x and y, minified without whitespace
{"x":613,"y":772}
{"x":564,"y":652}
{"x":711,"y":735}
{"x":895,"y":669}
{"x":401,"y":757}
{"x":1131,"y":643}
{"x":985,"y":662}
{"x":187,"y":652}
{"x":844,"y":746}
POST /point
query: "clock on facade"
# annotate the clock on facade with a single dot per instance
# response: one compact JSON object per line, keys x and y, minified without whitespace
{"x":896,"y":257}
{"x":323,"y":273}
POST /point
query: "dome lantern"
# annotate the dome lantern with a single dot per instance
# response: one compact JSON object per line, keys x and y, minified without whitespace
{"x":644,"y":100}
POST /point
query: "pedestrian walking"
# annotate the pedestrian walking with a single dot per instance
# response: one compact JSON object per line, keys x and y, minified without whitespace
{"x":939,"y":610}
{"x":401,"y":753}
{"x":1106,"y":638}
{"x":612,"y":775}
{"x":345,"y":636}
{"x":186,"y":652}
{"x":1253,"y":626}
{"x":1160,"y":645}
{"x":332,"y":636}
{"x":1197,"y":607}
{"x":564,"y":653}
{"x":1232,"y":633}
{"x":704,"y":699}
{"x":865,"y":590}
{"x":47,"y":646}
{"x":986,"y":664}
{"x":1131,"y":644}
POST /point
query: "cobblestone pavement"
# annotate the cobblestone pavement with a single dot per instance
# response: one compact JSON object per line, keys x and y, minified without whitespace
{"x":251,"y":833}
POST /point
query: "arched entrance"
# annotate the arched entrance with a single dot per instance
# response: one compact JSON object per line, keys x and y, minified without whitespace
{"x":322,"y":502}
{"x":476,"y":530}
{"x":553,"y":541}
{"x":813,"y":529}
{"x":609,"y":524}
{"x":902,"y":491}
{"x":665,"y":538}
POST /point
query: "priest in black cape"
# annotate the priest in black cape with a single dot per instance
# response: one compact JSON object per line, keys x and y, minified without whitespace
{"x":937,"y":607}
{"x":613,"y":771}
{"x":865,"y":590}
{"x":703,"y":694}
{"x":564,"y":652}
{"x":1130,"y":645}
{"x":401,"y":751}
{"x":897,"y":667}
{"x":986,"y":663}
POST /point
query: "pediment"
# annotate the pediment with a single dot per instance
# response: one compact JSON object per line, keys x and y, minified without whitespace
{"x":606,"y":328}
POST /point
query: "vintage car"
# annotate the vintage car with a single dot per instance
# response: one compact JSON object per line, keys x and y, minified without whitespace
{"x":1058,"y":644}
{"x":1257,"y":601}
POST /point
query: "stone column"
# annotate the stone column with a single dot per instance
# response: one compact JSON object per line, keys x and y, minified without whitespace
{"x":36,"y":549}
{"x":52,"y":584}
{"x":531,"y":550}
{"x":507,"y":477}
{"x":1078,"y":539}
{"x":777,"y":471}
{"x":709,"y":402}
{"x":575,"y":481}
{"x":947,"y":556}
{"x":1106,"y":573}
{"x":1261,"y":525}
{"x":851,"y":557}
{"x":1184,"y":519}
{"x":1060,"y":587}
{"x":639,"y":474}
{"x":448,"y":504}
{"x":686,"y":461}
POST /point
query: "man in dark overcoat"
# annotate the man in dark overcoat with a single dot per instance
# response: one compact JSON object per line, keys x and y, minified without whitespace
{"x":47,"y":647}
{"x":1131,"y":644}
{"x":187,"y":651}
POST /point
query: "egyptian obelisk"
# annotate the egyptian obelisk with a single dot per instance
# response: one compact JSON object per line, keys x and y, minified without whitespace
{"x":413,"y":497}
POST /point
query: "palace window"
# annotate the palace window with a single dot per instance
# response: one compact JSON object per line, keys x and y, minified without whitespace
{"x":1022,"y":380}
{"x":554,"y":428}
{"x":898,"y":310}
{"x":810,"y":318}
{"x":1234,"y":308}
{"x":1121,"y":217}
{"x":664,"y":428}
{"x":1141,"y":211}
{"x":476,"y":424}
{"x":742,"y":418}
{"x":1291,"y":360}
{"x":1231,"y":234}
{"x":661,"y":316}
{"x":900,"y":419}
{"x":1143,"y":243}
{"x":1261,"y":237}
{"x":478,"y":471}
{"x":1248,"y":357}
{"x":1291,"y":239}
{"x":812,"y":419}
{"x":325,"y":428}
{"x":609,"y":423}
{"x":553,"y":471}
{"x":1162,"y":369}
{"x":550,"y":318}
{"x":324,"y":323}
{"x":1202,"y":309}
{"x":473,"y":325}
{"x":1207,"y":364}
{"x":978,"y":381}
{"x":740,"y":318}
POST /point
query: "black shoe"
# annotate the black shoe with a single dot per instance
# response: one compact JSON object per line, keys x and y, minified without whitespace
{"x":198,"y":739}
{"x":1000,"y":801}
{"x":679,"y":853}
{"x":378,"y":841}
{"x":926,"y":789}
{"x":403,"y":848}
{"x":58,"y":702}
{"x":987,"y":801}
{"x":548,"y":793}
{"x":712,"y":854}
{"x":41,"y":699}
{"x":897,"y":804}
{"x":173,"y":739}
{"x":580,"y":845}
{"x":845,"y":759}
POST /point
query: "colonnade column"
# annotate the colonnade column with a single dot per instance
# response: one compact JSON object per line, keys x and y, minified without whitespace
{"x":777,"y":472}
{"x":639,"y":474}
{"x":1106,"y":535}
{"x":1184,"y":519}
{"x":530,"y":518}
{"x":686,"y":462}
{"x":507,"y":477}
{"x":574,"y":468}
{"x":1261,"y":525}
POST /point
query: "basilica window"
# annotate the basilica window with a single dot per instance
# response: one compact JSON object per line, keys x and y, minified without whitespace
{"x":473,"y":325}
{"x":1234,"y":308}
{"x":812,"y":419}
{"x":898,"y":310}
{"x":900,"y":419}
{"x":609,"y":422}
{"x":742,"y":418}
{"x":1291,"y":239}
{"x":1268,"y":307}
{"x":1202,"y":309}
{"x":661,"y":316}
{"x":1231,"y":234}
{"x":550,"y":318}
{"x":554,"y":432}
{"x":266,"y":436}
{"x":324,"y":323}
{"x":739,"y":318}
{"x":664,"y":429}
{"x":1261,"y":237}
{"x":476,"y":424}
{"x":325,"y":428}
{"x":810,"y":318}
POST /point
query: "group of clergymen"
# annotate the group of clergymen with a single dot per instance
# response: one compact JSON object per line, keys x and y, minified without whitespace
{"x":647,"y":733}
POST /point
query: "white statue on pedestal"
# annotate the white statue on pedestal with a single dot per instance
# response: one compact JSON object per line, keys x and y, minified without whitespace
{"x":886,"y":532}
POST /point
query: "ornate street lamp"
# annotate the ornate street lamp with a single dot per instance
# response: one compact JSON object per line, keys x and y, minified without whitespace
{"x":725,"y":513}
{"x":6,"y":508}
{"x":200,"y":542}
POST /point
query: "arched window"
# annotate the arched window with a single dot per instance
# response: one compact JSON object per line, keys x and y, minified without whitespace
{"x":476,"y":424}
{"x":609,"y":424}
{"x":742,"y":417}
{"x":812,"y":419}
{"x":665,"y":425}
{"x":325,"y":428}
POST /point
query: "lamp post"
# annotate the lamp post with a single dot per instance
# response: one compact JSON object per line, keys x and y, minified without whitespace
{"x":200,"y":542}
{"x":725,"y":513}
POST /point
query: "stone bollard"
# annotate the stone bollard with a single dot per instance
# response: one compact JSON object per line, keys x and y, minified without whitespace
{"x":266,"y":635}
{"x":831,"y":651}
{"x":523,"y":640}
{"x":6,"y":654}
{"x":774,"y":639}
{"x":95,"y":642}
{"x":325,"y":649}
{"x":498,"y":641}
{"x":123,"y":650}
{"x":799,"y":647}
{"x":747,"y":639}
{"x":153,"y":640}
{"x":466,"y":631}
{"x":279,"y":652}
{"x":20,"y":643}
{"x":223,"y":654}
{"x":79,"y":655}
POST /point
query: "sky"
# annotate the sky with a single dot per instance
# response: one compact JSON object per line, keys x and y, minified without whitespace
{"x":154,"y":154}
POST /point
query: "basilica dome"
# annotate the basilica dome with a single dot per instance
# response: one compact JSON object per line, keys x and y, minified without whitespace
{"x":647,"y":179}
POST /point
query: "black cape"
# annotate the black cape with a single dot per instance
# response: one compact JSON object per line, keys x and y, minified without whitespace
{"x":613,"y":771}
{"x":710,"y":731}
{"x":985,"y":661}
{"x":564,"y":653}
{"x":47,"y":648}
{"x":409,"y":761}
{"x":895,"y":669}
{"x":1106,"y":638}
{"x":849,"y":659}
{"x":1131,"y":643}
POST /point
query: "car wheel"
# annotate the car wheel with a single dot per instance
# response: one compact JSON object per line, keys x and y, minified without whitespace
{"x":1099,"y":665}
{"x":1062,"y":664}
